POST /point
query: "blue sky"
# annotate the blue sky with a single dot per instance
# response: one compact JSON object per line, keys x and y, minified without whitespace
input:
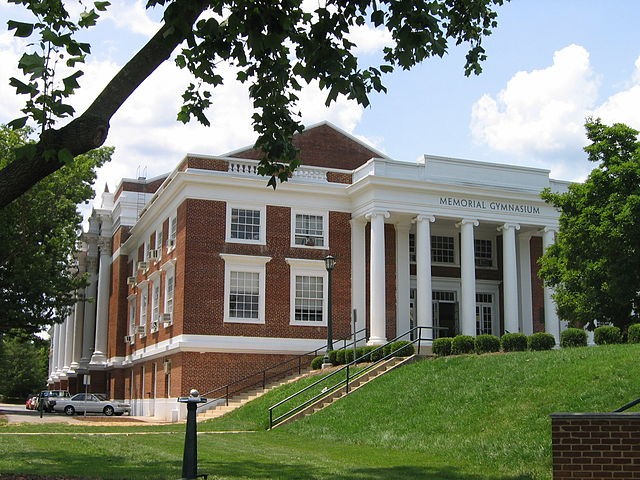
{"x":551,"y":64}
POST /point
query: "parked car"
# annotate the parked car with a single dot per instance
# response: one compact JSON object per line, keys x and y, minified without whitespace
{"x":49,"y":397}
{"x":90,"y":403}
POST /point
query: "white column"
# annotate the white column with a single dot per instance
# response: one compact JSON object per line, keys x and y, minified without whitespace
{"x":56,"y":352}
{"x":524,"y":270}
{"x":358,"y":272}
{"x":89,"y":327}
{"x":61,"y":347}
{"x":424,"y":308}
{"x":468,"y":277}
{"x":551,"y":323}
{"x":68,"y":341}
{"x":377,"y":296}
{"x":102,"y":308}
{"x":510,"y":277}
{"x":78,"y":325}
{"x":403,"y":284}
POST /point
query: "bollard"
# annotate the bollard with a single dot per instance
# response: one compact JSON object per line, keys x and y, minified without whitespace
{"x":190,"y":456}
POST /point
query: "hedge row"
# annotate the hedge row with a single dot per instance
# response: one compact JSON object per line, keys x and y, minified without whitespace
{"x":400,"y":348}
{"x":510,"y":342}
{"x":604,"y":335}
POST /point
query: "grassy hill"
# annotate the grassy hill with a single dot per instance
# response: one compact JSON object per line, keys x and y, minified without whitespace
{"x":482,"y":414}
{"x":460,"y":418}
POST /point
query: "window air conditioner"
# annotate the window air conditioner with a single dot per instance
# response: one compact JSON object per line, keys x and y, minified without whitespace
{"x":141,"y":329}
{"x":167,"y":366}
{"x":131,"y":281}
{"x":154,"y":254}
{"x":154,"y":326}
{"x":171,"y":243}
{"x":143,"y":265}
{"x":129,"y":338}
{"x":167,"y":319}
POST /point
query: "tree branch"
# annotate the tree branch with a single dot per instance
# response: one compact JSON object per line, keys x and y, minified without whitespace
{"x":90,"y":130}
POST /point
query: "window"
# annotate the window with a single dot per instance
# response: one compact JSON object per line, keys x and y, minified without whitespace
{"x":144,"y":292}
{"x":245,"y":225}
{"x":412,"y":248}
{"x":483,"y":252}
{"x":244,"y":288}
{"x":155,"y":305}
{"x":132,"y":316}
{"x":309,"y":298}
{"x":484,"y":313}
{"x":158,"y":242}
{"x":442,"y":249}
{"x":168,"y":292}
{"x":309,"y":230}
{"x":308,"y":292}
{"x":173,"y":233}
{"x":145,"y":254}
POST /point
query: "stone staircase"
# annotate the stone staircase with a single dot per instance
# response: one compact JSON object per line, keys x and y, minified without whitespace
{"x":238,"y":400}
{"x":354,"y":385}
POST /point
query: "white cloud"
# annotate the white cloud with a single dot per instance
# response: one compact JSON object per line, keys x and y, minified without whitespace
{"x":131,"y":16}
{"x":541,"y":111}
{"x":369,"y":39}
{"x":624,"y":106}
{"x":11,"y":50}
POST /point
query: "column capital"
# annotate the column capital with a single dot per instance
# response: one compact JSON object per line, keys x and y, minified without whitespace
{"x":104,"y":244}
{"x":402,"y":226}
{"x":466,"y":221}
{"x":548,"y":229}
{"x":374,"y":213}
{"x":358,"y":221}
{"x":424,"y":218}
{"x":508,"y":226}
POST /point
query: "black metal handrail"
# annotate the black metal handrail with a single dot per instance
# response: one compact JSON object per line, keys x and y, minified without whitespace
{"x":627,"y":406}
{"x":348,"y":378}
{"x":229,"y":389}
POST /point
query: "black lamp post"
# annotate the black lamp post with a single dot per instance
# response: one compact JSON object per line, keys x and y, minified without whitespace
{"x":190,"y":456}
{"x":329,"y":263}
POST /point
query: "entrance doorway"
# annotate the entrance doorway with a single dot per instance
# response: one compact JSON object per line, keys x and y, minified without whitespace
{"x":445,"y":314}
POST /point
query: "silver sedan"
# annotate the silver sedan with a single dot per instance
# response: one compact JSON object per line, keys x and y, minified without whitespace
{"x":90,"y":403}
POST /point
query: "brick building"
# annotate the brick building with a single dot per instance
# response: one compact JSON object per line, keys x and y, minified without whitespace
{"x":202,"y":276}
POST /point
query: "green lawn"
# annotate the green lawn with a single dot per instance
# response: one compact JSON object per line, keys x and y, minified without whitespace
{"x":465,"y":418}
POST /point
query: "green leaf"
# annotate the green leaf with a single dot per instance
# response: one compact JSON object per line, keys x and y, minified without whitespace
{"x":22,"y":29}
{"x":23,"y":88}
{"x":71,"y":82}
{"x":65,"y":156}
{"x":101,"y":6}
{"x":18,"y":123}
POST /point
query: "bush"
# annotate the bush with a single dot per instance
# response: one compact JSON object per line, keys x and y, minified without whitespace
{"x":514,"y":342}
{"x":462,"y":344}
{"x":541,"y":341}
{"x":442,"y":346}
{"x":607,"y":335}
{"x":332,"y":357}
{"x":486,"y":343}
{"x":573,"y":337}
{"x":339,"y":357}
{"x":376,"y":354}
{"x":633,"y":334}
{"x":362,"y":354}
{"x":316,"y":363}
{"x":348,"y":355}
{"x":402,"y":348}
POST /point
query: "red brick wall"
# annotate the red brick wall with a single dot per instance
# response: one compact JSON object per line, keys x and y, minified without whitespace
{"x":595,"y":445}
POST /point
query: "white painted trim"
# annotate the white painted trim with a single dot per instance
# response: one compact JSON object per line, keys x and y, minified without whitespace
{"x":262,"y":208}
{"x":325,"y":227}
{"x":312,"y":268}
{"x":245,"y":263}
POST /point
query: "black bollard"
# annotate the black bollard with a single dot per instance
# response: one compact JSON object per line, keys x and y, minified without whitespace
{"x":190,"y":456}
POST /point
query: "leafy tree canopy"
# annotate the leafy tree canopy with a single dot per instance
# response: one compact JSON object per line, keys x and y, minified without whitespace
{"x":38,"y":235}
{"x":594,"y":265}
{"x":23,"y":362}
{"x":276,"y":47}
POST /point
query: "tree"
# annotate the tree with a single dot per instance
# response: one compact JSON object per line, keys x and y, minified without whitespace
{"x":275,"y":46}
{"x":23,"y":362}
{"x":38,"y":235}
{"x":594,"y":265}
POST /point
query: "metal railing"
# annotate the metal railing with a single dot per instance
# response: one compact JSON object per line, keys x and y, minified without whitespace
{"x":413,"y":337}
{"x":274,"y":372}
{"x":627,"y":406}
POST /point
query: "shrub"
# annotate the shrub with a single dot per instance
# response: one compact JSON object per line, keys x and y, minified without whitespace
{"x":573,"y":337}
{"x":362,"y":354}
{"x":376,"y":354}
{"x":633,"y":334}
{"x":514,"y":342}
{"x":607,"y":335}
{"x":442,"y":346}
{"x":462,"y":344}
{"x":541,"y":341}
{"x":486,"y":343}
{"x":332,"y":357}
{"x":402,"y":348}
{"x":348,"y":355}
{"x":339,"y":357}
{"x":316,"y":363}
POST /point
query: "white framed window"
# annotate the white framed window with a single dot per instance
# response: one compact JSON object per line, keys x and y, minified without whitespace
{"x":144,"y":299}
{"x":145,"y":254}
{"x":155,"y":305}
{"x":484,"y":313}
{"x":309,"y":229}
{"x":443,"y":249}
{"x":246,"y":224}
{"x":412,"y":248}
{"x":244,"y":288}
{"x":132,"y":315}
{"x":173,"y":233}
{"x":169,"y":288}
{"x":158,"y":242}
{"x":308,"y":292}
{"x":484,"y":253}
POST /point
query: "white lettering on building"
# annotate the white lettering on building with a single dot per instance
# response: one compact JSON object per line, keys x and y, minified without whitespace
{"x":489,"y":205}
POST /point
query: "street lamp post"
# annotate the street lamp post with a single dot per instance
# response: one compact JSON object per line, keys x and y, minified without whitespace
{"x":329,"y":263}
{"x":190,"y":456}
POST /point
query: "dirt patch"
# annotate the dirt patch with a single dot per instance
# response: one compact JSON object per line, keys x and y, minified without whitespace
{"x":109,"y":419}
